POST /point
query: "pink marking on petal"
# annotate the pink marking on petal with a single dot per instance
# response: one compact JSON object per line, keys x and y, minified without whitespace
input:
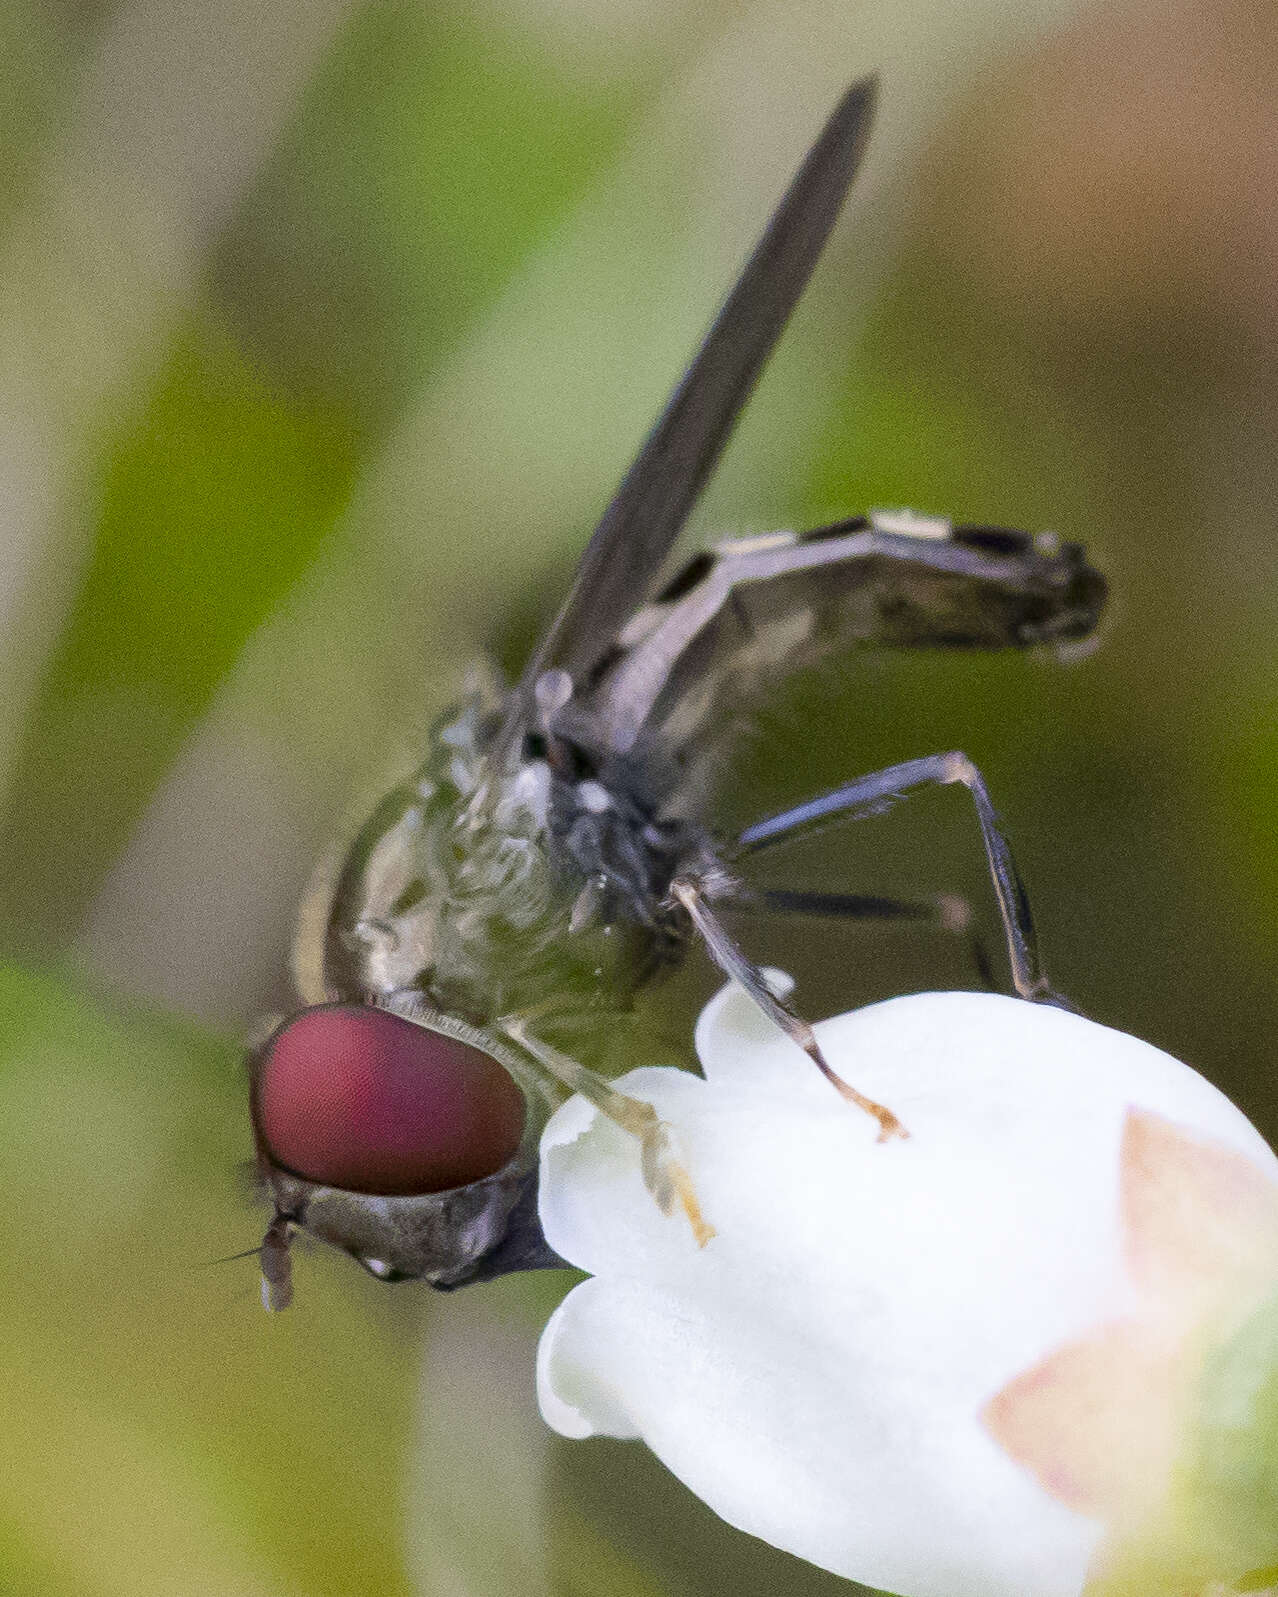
{"x":1100,"y":1421}
{"x":1092,"y":1418}
{"x":1195,"y":1214}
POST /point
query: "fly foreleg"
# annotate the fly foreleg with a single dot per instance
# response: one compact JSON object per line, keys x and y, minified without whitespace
{"x":664,"y":1174}
{"x":734,"y":962}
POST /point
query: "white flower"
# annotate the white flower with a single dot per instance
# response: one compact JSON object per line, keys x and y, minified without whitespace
{"x":950,"y":1366}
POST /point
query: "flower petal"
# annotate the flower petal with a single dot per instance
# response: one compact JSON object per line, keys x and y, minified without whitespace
{"x":1196,"y":1213}
{"x":573,"y":1393}
{"x":1066,"y":1419}
{"x":817,"y":1372}
{"x":1104,"y":1421}
{"x":711,"y":1384}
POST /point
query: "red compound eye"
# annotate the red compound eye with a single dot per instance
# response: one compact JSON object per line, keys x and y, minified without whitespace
{"x":361,"y":1099}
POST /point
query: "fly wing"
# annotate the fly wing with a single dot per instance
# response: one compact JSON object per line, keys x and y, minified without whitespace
{"x":658,"y":492}
{"x":741,"y":616}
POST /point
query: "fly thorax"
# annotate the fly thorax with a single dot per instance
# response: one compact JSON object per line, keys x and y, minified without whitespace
{"x":375,"y":925}
{"x":501,"y":906}
{"x":488,"y":890}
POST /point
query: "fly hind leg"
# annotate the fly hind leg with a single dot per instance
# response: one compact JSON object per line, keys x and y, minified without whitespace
{"x":868,"y":795}
{"x":947,"y":912}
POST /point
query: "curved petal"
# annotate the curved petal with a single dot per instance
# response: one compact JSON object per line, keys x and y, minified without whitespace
{"x":732,"y":1026}
{"x":994,"y":1052}
{"x":594,"y":1207}
{"x":573,"y":1393}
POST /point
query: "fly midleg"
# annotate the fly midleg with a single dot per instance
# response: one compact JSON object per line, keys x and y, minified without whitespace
{"x":734,"y":962}
{"x":664,"y":1173}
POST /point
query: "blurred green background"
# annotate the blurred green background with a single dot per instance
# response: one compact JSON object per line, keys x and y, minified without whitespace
{"x":327,"y":328}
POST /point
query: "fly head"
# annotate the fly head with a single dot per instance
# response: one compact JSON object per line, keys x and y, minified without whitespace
{"x":404,"y":1138}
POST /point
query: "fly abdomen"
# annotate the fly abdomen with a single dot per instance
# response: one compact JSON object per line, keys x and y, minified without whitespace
{"x":728,"y":625}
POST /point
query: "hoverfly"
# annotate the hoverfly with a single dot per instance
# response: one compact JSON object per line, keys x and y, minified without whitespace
{"x":500,"y":910}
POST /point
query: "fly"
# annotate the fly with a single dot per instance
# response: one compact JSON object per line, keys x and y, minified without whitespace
{"x":486,"y":934}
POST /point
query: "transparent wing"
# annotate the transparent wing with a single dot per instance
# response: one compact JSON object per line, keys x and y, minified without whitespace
{"x":658,"y":492}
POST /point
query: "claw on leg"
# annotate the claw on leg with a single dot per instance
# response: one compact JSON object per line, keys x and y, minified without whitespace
{"x":889,"y":1125}
{"x":664,"y":1173}
{"x":667,"y":1178}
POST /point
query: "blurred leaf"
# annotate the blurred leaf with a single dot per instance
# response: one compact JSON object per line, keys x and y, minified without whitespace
{"x":587,"y":1564}
{"x":1254,"y":766}
{"x":1220,"y":1522}
{"x":433,"y":152}
{"x":1237,"y":1453}
{"x":161,"y":1434}
{"x":1259,"y":1580}
{"x":943,"y":414}
{"x":214,"y":500}
{"x":42,"y":42}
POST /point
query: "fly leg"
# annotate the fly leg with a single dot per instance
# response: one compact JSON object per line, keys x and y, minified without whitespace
{"x":870,"y":794}
{"x":664,"y":1174}
{"x":948,"y":912}
{"x":733,"y":961}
